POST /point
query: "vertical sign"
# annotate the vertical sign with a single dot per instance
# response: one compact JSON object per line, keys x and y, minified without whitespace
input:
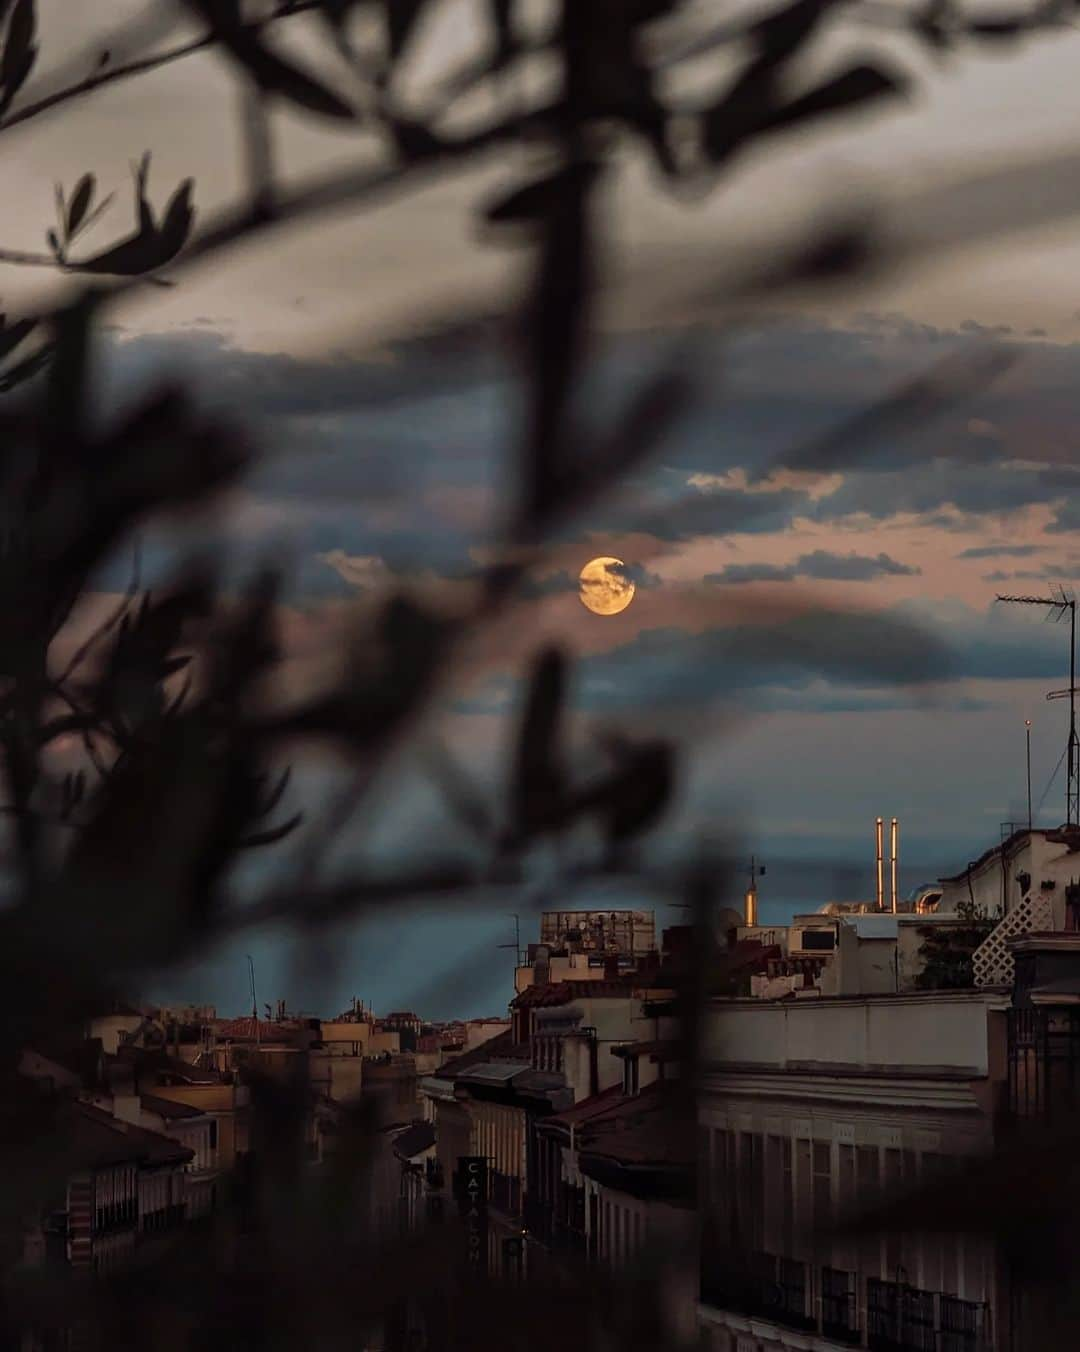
{"x":472,"y":1198}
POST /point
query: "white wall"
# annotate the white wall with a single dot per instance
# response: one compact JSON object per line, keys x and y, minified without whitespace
{"x":928,"y":1029}
{"x":109,"y":1027}
{"x":1044,"y":860}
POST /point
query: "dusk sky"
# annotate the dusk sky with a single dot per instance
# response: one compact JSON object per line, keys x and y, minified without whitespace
{"x":388,"y":455}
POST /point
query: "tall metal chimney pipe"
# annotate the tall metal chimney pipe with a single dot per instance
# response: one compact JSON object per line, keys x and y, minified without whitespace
{"x":894,"y":841}
{"x":880,"y":839}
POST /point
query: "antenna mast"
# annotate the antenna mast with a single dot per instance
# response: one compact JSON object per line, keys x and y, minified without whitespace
{"x":516,"y":944}
{"x":1057,"y":607}
{"x":254,"y":1002}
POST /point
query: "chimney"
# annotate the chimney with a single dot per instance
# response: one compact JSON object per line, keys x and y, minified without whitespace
{"x":750,"y":916}
{"x":542,"y":965}
{"x":894,"y":841}
{"x":880,"y":839}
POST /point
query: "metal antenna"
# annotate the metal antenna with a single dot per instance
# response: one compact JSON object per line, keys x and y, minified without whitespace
{"x":516,"y":945}
{"x":254,"y":1002}
{"x":1057,"y":607}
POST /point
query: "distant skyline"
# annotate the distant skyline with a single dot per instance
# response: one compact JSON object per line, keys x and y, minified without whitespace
{"x":447,"y":966}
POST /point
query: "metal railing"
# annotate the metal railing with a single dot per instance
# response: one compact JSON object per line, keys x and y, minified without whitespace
{"x":898,"y":1317}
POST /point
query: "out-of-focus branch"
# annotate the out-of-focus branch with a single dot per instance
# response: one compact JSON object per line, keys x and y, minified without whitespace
{"x":140,"y":66}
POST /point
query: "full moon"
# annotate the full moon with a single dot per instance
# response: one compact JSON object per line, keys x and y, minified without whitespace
{"x":605,"y":588}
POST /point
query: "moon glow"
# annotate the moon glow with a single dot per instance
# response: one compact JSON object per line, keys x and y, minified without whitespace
{"x":604,"y":587}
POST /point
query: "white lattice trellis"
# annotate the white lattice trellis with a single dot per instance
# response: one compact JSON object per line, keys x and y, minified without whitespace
{"x":992,"y":961}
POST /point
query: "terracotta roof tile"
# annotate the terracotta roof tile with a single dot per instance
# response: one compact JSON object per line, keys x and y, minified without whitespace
{"x":244,"y":1029}
{"x":502,"y":1047}
{"x":562,"y":992}
{"x":659,"y":1141}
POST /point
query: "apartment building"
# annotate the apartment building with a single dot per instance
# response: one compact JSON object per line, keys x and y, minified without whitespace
{"x":813,"y":1109}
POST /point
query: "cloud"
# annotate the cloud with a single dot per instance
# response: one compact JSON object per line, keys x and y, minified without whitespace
{"x":986,"y":330}
{"x":851,"y":567}
{"x":820,"y":565}
{"x":1001,"y":551}
{"x":636,"y":573}
{"x":549,"y":584}
{"x":671,"y":668}
{"x":752,"y":572}
{"x":1066,"y":519}
{"x":1051,"y":572}
{"x":362,"y":572}
{"x":400,"y":454}
{"x":915,"y":654}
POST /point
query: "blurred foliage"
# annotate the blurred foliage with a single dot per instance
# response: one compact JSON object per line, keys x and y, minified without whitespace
{"x":122,"y":859}
{"x":947,"y":950}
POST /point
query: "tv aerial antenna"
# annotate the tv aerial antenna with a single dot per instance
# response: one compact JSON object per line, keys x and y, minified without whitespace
{"x":1057,"y":607}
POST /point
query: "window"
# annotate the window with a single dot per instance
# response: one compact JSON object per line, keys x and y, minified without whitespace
{"x":787,"y":1203}
{"x":818,"y":940}
{"x":868,"y":1174}
{"x":822,"y":1190}
{"x":630,"y":1075}
{"x":839,"y":1313}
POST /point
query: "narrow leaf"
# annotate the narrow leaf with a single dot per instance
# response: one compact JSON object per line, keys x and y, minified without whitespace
{"x":176,"y":225}
{"x":401,"y":20}
{"x":20,"y":52}
{"x":859,"y":85}
{"x":10,"y":338}
{"x":80,"y":202}
{"x":269,"y":71}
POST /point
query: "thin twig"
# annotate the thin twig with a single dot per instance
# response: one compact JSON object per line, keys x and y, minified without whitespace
{"x":83,"y":651}
{"x":140,"y":66}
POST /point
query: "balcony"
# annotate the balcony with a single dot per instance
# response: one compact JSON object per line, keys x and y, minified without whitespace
{"x":767,"y":1286}
{"x":899,"y":1318}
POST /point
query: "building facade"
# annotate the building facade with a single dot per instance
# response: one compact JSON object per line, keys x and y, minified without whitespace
{"x":814,"y":1110}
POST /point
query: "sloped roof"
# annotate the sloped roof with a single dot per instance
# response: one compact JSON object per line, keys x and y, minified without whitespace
{"x":610,"y":1110}
{"x":160,"y":1062}
{"x":414,"y":1140}
{"x":97,"y":1140}
{"x":659,"y":1141}
{"x":83,"y":1057}
{"x":562,"y":992}
{"x":494,"y":1072}
{"x":500,"y":1047}
{"x":167,"y":1108}
{"x":595,"y":1106}
{"x":244,"y":1029}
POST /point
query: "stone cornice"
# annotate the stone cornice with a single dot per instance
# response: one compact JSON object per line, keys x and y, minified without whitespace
{"x":845,"y":1091}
